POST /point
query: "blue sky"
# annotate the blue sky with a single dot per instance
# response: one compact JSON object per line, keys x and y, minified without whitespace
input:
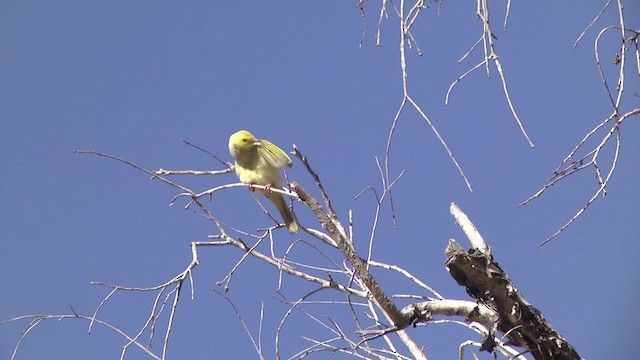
{"x":134,"y":78}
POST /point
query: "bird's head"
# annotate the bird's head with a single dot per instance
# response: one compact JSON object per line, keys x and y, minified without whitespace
{"x":242,"y":141}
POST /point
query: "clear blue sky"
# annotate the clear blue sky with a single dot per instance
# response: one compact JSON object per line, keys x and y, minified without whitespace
{"x":134,"y":78}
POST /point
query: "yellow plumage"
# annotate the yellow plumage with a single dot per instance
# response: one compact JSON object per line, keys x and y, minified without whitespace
{"x":258,"y":162}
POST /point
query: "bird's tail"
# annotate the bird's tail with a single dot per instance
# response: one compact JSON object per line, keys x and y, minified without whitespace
{"x":286,"y":213}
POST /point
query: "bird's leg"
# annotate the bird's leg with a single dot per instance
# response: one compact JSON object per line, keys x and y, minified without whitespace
{"x":251,"y":188}
{"x":267,"y":188}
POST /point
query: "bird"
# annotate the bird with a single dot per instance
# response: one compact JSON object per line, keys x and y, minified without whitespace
{"x":257,"y":161}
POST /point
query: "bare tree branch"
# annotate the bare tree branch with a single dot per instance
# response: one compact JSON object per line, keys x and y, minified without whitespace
{"x":575,"y":162}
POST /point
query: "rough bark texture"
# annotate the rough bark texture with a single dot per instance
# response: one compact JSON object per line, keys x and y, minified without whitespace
{"x":522,"y":323}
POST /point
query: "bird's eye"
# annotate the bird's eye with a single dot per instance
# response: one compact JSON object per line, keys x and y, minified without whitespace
{"x":244,"y":140}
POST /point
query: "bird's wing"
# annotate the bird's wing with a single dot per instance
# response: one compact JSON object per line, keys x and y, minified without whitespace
{"x":274,"y":155}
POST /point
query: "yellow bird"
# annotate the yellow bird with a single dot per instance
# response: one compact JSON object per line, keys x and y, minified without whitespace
{"x":258,"y":162}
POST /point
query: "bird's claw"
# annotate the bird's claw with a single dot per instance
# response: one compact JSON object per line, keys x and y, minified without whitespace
{"x":267,"y":188}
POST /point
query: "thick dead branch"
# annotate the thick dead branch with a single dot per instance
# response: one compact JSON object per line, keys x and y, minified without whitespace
{"x":520,"y":321}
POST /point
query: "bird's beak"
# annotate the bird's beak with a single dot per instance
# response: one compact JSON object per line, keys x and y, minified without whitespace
{"x":257,"y":143}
